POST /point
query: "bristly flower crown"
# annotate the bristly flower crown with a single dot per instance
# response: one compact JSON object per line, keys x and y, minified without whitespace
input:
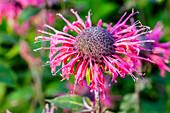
{"x":95,"y":50}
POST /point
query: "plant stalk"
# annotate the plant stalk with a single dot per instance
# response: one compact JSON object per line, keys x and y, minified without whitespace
{"x":97,"y":101}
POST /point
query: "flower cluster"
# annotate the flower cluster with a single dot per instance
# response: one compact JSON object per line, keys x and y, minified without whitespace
{"x":95,"y":50}
{"x":11,"y":10}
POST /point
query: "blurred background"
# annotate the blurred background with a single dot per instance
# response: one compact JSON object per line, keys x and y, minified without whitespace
{"x":25,"y":80}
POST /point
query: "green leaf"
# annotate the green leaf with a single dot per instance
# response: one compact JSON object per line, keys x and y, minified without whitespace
{"x":28,"y":12}
{"x":9,"y":29}
{"x":12,"y":52}
{"x":108,"y":8}
{"x":72,"y":102}
{"x":88,"y":76}
{"x":7,"y":76}
{"x":52,"y":88}
{"x":3,"y":51}
{"x":19,"y":97}
{"x":8,"y":39}
{"x":129,"y":102}
{"x":3,"y":89}
{"x":3,"y":25}
{"x":108,"y":72}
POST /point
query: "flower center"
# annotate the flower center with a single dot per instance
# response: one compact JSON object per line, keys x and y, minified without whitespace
{"x":94,"y":42}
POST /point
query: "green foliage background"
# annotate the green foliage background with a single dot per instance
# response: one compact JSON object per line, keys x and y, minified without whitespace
{"x":23,"y":88}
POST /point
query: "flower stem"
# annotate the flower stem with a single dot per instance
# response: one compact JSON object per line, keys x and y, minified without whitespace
{"x":137,"y":91}
{"x":97,"y":101}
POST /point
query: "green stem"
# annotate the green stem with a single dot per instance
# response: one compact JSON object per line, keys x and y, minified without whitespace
{"x":38,"y":86}
{"x":137,"y":108}
{"x":97,"y":101}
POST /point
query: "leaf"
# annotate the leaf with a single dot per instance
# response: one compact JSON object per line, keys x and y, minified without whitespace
{"x":52,"y":88}
{"x":7,"y":76}
{"x":3,"y":24}
{"x":12,"y":52}
{"x":72,"y":102}
{"x":108,"y":8}
{"x":88,"y":76}
{"x":142,"y":84}
{"x":19,"y":97}
{"x":8,"y":39}
{"x":28,"y":12}
{"x":129,"y":102}
{"x":9,"y":29}
{"x":3,"y":89}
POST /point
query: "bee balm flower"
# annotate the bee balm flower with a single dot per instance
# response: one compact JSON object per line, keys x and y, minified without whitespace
{"x":94,"y":50}
{"x":157,"y":49}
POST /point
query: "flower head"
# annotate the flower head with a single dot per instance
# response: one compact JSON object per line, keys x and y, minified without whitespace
{"x":158,"y":49}
{"x":9,"y":10}
{"x":94,"y":50}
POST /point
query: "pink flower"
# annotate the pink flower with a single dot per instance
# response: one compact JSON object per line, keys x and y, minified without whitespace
{"x":1,"y":12}
{"x":94,"y":50}
{"x":50,"y":18}
{"x":21,"y":29}
{"x":53,"y":2}
{"x":25,"y":3}
{"x":8,"y":10}
{"x":11,"y":9}
{"x":159,"y":49}
{"x":43,"y":17}
{"x":48,"y":110}
{"x":7,"y":111}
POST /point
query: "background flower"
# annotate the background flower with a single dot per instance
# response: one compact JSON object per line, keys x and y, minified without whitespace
{"x":159,"y":48}
{"x":160,"y":51}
